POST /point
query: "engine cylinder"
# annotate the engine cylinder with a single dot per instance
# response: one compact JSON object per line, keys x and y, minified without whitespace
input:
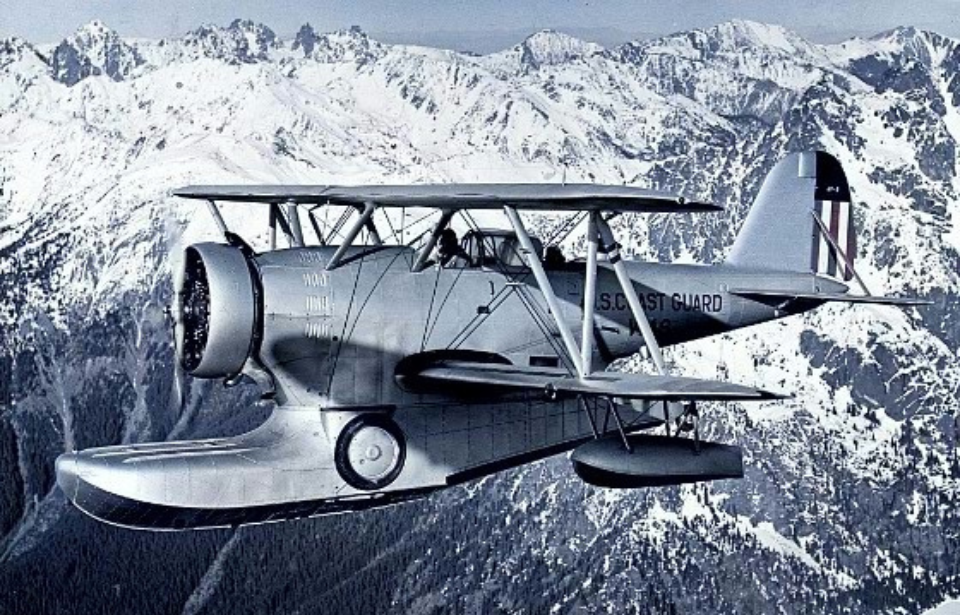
{"x":216,"y":311}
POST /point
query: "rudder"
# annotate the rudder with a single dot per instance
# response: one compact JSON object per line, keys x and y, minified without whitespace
{"x":781,"y":231}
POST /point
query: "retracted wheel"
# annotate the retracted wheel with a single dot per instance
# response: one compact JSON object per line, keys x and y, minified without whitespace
{"x":370,"y":452}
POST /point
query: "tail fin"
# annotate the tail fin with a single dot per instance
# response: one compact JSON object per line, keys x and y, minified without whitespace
{"x":781,"y":230}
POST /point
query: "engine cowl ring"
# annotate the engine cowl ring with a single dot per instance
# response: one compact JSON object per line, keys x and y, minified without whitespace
{"x":216,"y":311}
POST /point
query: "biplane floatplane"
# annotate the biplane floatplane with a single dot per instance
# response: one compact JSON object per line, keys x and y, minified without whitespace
{"x":394,"y":375}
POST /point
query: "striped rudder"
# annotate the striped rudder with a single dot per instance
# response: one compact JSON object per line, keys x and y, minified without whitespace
{"x":837,"y":219}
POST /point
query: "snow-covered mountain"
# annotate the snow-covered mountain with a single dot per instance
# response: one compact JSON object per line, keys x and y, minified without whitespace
{"x":94,"y":50}
{"x":852,"y":488}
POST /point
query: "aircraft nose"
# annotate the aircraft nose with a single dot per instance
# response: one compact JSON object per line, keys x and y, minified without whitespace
{"x":87,"y":481}
{"x":68,"y":475}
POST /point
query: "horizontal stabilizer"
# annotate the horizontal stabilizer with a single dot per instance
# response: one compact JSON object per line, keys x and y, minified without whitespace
{"x":553,"y":381}
{"x":574,"y":197}
{"x":769,"y":296}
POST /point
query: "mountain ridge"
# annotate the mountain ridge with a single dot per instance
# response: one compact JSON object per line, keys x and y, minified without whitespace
{"x":246,"y":41}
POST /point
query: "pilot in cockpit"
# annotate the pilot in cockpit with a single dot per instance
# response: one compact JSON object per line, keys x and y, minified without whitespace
{"x":450,"y":254}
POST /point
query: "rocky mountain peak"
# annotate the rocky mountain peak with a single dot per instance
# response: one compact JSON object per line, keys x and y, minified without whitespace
{"x":908,"y":61}
{"x":242,"y":42}
{"x":743,"y":32}
{"x":716,"y":65}
{"x":912,"y":35}
{"x":543,"y":48}
{"x":346,"y":45}
{"x":259,"y":36}
{"x":728,"y":40}
{"x":94,"y":50}
{"x":22,"y":65}
{"x":14,"y":49}
{"x":924,"y":46}
{"x":548,"y":47}
{"x":306,"y":39}
{"x":95,"y":29}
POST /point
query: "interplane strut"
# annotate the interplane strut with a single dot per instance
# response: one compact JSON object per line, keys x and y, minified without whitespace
{"x":533,"y":261}
{"x":597,"y":230}
{"x":589,"y":294}
{"x":612,"y":248}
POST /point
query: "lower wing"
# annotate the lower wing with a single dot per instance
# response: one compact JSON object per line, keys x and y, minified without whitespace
{"x":557,"y":382}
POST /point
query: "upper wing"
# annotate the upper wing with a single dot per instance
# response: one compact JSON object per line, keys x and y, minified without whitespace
{"x":554,"y":381}
{"x":459,"y":196}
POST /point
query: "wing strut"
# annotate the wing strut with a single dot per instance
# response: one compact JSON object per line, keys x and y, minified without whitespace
{"x":316,"y":227}
{"x":612,"y":248}
{"x":589,"y":294}
{"x":273,"y":227}
{"x":359,"y":225}
{"x":374,"y":234}
{"x":212,"y":206}
{"x":530,"y":253}
{"x":277,"y":217}
{"x":293,"y":217}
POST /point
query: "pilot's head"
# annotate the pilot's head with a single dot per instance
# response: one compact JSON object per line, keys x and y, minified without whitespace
{"x":448,"y":241}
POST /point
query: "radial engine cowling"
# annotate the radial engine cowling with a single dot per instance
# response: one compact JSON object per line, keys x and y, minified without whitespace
{"x":215,"y":311}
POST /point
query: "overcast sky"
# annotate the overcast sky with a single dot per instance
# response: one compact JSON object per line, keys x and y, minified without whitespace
{"x":478,"y":24}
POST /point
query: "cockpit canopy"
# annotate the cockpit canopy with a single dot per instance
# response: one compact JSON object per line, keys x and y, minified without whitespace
{"x":496,"y":248}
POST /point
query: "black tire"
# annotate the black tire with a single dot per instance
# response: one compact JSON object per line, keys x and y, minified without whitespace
{"x":341,"y":453}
